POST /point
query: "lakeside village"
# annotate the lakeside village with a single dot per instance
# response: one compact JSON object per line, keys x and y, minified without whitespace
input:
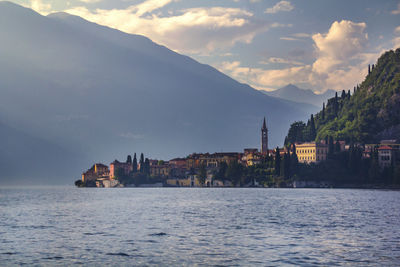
{"x":299,"y":165}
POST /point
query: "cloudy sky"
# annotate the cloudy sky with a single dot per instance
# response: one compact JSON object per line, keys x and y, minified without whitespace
{"x":266,"y":43}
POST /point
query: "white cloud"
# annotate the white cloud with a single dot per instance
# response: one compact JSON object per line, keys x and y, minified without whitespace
{"x":344,"y":41}
{"x":397,"y":30}
{"x":40,"y":7}
{"x":340,"y":62}
{"x":296,"y":37}
{"x":90,"y":1}
{"x":150,"y":5}
{"x":194,"y":30}
{"x":302,"y":35}
{"x":396,"y":11}
{"x":396,"y":42}
{"x":281,"y":61}
{"x":280,"y":6}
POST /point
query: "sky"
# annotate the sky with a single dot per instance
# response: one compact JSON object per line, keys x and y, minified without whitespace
{"x":314,"y":44}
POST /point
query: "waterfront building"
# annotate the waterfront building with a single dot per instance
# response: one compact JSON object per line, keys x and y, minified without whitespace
{"x":190,"y":181}
{"x":115,"y":165}
{"x":385,"y":156}
{"x":98,"y":170}
{"x":251,"y":157}
{"x":264,"y":138}
{"x":107,"y":183}
{"x":178,"y":163}
{"x":311,"y":152}
{"x":160,"y":170}
{"x":211,"y":161}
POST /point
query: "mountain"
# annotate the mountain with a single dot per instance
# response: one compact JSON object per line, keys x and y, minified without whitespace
{"x":22,"y":155}
{"x":296,"y":94}
{"x":370,"y":114}
{"x":103,"y":94}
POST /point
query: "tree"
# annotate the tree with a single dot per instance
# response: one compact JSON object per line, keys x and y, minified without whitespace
{"x":337,"y":147}
{"x":343,"y":96}
{"x":220,"y":175}
{"x":336,"y":104}
{"x":202,"y":174}
{"x":286,"y":166}
{"x":348,"y":95}
{"x":313,"y":132}
{"x":323,"y":111}
{"x":277,"y":162}
{"x":294,"y":164}
{"x":129,"y":159}
{"x":331,"y":148}
{"x":296,"y":132}
{"x":141,"y":162}
{"x":134,"y":164}
{"x":146,"y":166}
{"x":374,"y":170}
{"x":234,"y":172}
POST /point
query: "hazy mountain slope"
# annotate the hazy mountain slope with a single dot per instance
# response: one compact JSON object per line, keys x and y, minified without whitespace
{"x":102,"y":93}
{"x":296,"y":94}
{"x":23,"y":157}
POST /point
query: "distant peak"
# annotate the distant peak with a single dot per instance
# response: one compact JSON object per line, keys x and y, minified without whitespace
{"x":7,"y":4}
{"x":59,"y":15}
{"x":64,"y":16}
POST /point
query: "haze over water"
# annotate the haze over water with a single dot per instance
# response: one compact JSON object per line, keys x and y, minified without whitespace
{"x":171,"y":226}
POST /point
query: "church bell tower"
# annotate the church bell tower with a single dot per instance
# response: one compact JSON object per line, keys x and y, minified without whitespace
{"x":264,"y":138}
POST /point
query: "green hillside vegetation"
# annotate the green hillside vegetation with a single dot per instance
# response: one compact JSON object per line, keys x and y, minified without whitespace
{"x":370,"y":114}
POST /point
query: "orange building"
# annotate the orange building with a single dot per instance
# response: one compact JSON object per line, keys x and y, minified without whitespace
{"x":98,"y":170}
{"x":115,"y":165}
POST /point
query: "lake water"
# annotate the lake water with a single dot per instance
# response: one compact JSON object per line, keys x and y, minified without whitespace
{"x":189,"y":226}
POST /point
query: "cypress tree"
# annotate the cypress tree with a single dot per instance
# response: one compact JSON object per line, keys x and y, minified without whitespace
{"x":286,"y":166}
{"x":134,"y":164}
{"x":343,"y":96}
{"x":293,"y":148}
{"x":147,"y":166}
{"x":331,"y":148}
{"x":374,"y":171}
{"x":336,"y":104}
{"x":348,"y":94}
{"x":294,"y":163}
{"x":352,"y":162}
{"x":141,"y":162}
{"x":277,"y":162}
{"x":323,"y":111}
{"x":354,"y":90}
{"x":313,"y":132}
{"x":129,"y":159}
{"x":369,"y":69}
{"x":337,"y":147}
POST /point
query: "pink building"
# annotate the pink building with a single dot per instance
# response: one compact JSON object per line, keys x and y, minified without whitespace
{"x":115,"y":165}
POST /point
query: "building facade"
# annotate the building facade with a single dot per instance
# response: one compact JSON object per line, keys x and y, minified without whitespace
{"x":98,"y":170}
{"x":385,"y":156}
{"x":115,"y":165}
{"x":311,"y":152}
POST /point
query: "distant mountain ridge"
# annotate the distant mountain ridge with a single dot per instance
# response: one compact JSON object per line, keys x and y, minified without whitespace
{"x":296,"y":94}
{"x":103,"y":94}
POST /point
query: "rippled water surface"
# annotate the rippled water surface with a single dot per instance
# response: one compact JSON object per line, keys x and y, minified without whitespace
{"x":172,"y":226}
